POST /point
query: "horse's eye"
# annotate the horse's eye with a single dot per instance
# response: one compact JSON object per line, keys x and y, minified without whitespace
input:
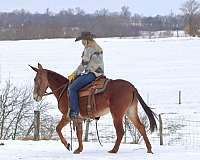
{"x":34,"y":79}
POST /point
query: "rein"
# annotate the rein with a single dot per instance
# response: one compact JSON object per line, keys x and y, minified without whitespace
{"x":64,"y":86}
{"x":46,"y":93}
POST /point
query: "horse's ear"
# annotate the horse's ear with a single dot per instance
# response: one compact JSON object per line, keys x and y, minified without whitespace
{"x":40,"y":66}
{"x":33,"y":68}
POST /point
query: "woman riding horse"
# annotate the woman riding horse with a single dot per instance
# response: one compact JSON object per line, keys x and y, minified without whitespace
{"x":90,"y":68}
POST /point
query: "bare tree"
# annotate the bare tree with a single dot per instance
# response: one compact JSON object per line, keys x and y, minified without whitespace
{"x":103,"y":12}
{"x":7,"y":107}
{"x":125,"y":11}
{"x":79,"y":11}
{"x":191,"y":10}
{"x":16,"y":113}
{"x":136,"y":136}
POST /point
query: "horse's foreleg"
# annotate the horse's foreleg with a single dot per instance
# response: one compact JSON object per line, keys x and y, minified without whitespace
{"x":79,"y":134}
{"x":59,"y":128}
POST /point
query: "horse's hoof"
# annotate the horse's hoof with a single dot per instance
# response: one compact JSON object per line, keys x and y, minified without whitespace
{"x":1,"y":144}
{"x":112,"y":151}
{"x":68,"y":146}
{"x":150,"y":152}
{"x":77,"y":151}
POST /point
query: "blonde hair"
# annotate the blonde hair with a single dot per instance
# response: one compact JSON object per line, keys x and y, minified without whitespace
{"x":92,"y":43}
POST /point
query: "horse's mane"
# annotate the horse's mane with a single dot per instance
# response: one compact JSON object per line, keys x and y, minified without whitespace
{"x":56,"y":77}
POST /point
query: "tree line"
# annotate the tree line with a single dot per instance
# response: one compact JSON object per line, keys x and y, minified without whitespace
{"x":21,"y":24}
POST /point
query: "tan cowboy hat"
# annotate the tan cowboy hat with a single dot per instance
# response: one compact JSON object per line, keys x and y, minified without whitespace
{"x":85,"y":36}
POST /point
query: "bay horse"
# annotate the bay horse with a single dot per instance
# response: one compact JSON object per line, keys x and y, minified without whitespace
{"x":120,"y":98}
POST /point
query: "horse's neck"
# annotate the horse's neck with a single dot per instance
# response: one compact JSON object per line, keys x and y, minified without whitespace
{"x":56,"y":86}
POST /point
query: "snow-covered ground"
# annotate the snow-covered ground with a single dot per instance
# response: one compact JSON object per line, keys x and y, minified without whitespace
{"x":159,"y":68}
{"x":154,"y":66}
{"x":53,"y":150}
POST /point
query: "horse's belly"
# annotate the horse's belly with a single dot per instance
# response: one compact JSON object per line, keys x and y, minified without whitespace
{"x":102,"y":112}
{"x":101,"y":108}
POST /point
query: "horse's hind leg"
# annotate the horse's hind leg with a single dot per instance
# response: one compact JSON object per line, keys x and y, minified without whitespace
{"x":59,"y":128}
{"x":118,"y":123}
{"x":133,"y":116}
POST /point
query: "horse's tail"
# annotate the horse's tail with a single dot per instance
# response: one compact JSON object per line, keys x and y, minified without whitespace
{"x":150,"y":114}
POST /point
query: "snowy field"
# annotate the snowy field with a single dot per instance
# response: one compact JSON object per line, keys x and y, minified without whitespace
{"x":159,"y":68}
{"x":52,"y":150}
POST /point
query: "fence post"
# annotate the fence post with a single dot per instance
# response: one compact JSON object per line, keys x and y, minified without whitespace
{"x":179,"y":97}
{"x":87,"y":130}
{"x":160,"y":130}
{"x":36,"y":125}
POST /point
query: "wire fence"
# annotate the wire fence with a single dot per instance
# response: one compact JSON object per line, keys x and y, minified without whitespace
{"x":178,"y":130}
{"x":105,"y":128}
{"x":107,"y":131}
{"x":180,"y":126}
{"x":170,"y":97}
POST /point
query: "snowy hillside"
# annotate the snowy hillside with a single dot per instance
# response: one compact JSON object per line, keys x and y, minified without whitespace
{"x":159,"y":68}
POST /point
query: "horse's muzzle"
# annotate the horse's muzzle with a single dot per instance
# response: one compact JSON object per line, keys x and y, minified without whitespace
{"x":37,"y":98}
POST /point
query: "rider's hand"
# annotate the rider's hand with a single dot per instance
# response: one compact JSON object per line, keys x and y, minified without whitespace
{"x":71,"y":77}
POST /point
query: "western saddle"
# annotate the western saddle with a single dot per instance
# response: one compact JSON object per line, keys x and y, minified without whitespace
{"x":95,"y":87}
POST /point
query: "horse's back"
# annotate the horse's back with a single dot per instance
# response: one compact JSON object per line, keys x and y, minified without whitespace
{"x":121,"y":85}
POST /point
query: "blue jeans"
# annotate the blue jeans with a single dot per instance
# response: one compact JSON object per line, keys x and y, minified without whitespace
{"x":73,"y":91}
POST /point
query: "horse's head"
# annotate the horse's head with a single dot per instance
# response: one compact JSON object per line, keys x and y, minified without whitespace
{"x":40,"y":82}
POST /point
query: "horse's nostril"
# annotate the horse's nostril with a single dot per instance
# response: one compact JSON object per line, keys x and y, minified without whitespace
{"x":35,"y":97}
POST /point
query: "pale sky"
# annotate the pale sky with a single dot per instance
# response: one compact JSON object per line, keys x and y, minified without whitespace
{"x":143,"y":7}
